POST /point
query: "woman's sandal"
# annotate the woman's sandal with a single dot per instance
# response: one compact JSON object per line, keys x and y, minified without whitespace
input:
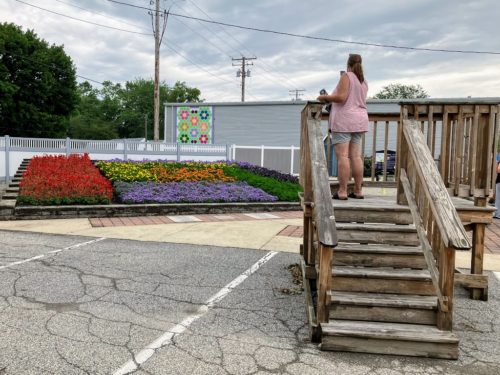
{"x":353,"y":195}
{"x":336,"y":196}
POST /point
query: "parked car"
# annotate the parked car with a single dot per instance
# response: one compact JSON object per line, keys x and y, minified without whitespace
{"x":379,"y":163}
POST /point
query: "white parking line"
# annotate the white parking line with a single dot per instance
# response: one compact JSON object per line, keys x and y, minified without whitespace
{"x":168,"y":336}
{"x":51,"y":252}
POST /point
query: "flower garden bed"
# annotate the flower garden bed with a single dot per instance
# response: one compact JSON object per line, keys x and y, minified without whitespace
{"x":75,"y":187}
{"x":63,"y":180}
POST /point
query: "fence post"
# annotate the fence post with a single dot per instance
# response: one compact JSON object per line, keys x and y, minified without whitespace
{"x":234,"y":153}
{"x":178,"y":151}
{"x":125,"y":157}
{"x":7,"y":159}
{"x":262,"y":156}
{"x":68,"y":146}
{"x":228,"y":152}
{"x":291,"y":159}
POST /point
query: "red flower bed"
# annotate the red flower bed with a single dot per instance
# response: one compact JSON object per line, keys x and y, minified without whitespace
{"x":63,"y":180}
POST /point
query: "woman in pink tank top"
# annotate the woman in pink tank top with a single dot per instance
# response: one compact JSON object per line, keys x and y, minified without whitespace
{"x":348,"y":121}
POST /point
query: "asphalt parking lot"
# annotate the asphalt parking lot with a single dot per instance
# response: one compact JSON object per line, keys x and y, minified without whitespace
{"x":82,"y":305}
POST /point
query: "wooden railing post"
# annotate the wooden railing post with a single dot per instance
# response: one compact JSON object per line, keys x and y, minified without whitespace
{"x":402,"y":157}
{"x":323,"y":282}
{"x":446,"y":282}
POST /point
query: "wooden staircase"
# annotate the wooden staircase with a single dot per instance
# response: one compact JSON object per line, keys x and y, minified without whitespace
{"x":380,"y":294}
{"x":9,"y":197}
{"x":379,"y":272}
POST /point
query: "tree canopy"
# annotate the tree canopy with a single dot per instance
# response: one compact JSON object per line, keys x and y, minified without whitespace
{"x":400,"y":91}
{"x":114,"y":110}
{"x":37,"y":85}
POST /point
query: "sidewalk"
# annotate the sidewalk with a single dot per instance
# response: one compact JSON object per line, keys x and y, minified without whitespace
{"x":278,"y":231}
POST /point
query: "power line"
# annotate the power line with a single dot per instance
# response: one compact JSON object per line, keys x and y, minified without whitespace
{"x":192,"y":62}
{"x":379,"y":45}
{"x":101,"y":14}
{"x":81,"y":20}
{"x":262,"y":62}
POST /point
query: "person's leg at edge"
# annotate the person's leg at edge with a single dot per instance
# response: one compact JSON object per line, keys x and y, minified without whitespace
{"x":497,"y":202}
{"x":344,"y":170}
{"x":357,"y":167}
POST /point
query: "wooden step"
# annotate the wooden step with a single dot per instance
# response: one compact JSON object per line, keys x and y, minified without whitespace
{"x":392,"y":234}
{"x":379,"y":307}
{"x":376,"y":255}
{"x":9,"y":196}
{"x":389,"y":338}
{"x":381,"y":280}
{"x":12,"y":189}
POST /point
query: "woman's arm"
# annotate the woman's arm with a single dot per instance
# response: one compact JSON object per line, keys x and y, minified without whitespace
{"x":339,"y":95}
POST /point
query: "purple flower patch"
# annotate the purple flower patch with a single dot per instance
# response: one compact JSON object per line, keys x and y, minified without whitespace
{"x":193,"y":192}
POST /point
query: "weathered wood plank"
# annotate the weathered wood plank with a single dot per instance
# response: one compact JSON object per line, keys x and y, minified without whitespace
{"x":410,"y":332}
{"x":471,"y":281}
{"x":387,"y":300}
{"x":382,"y":314}
{"x":452,"y":230}
{"x":390,"y":347}
{"x":324,"y":276}
{"x":446,"y":284}
{"x":314,"y":330}
{"x":426,"y":247}
{"x":357,"y":284}
{"x":379,"y":260}
{"x":379,"y":249}
{"x":382,"y":273}
{"x":323,"y":208}
{"x":477,"y":259}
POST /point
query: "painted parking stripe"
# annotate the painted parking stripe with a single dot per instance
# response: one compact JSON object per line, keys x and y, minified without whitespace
{"x":178,"y":329}
{"x":51,"y":252}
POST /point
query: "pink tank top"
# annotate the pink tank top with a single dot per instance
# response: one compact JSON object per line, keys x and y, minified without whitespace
{"x":351,"y":116}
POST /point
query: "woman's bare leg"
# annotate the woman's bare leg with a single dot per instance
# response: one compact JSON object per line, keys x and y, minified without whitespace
{"x":357,"y":167}
{"x":342,"y":154}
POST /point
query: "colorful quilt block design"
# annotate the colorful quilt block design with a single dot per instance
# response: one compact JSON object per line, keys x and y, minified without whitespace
{"x":195,"y":125}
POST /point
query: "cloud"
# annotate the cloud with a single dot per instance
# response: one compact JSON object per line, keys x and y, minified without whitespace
{"x":203,"y":52}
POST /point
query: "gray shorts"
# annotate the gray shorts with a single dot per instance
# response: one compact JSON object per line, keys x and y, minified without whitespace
{"x":346,"y":137}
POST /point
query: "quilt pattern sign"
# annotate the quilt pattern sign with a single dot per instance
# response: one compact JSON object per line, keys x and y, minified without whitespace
{"x":195,"y":125}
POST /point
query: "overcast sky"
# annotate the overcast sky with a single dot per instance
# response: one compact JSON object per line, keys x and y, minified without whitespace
{"x":200,"y":53}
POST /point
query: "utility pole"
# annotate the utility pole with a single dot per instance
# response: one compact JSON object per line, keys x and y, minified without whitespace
{"x":297,"y":93}
{"x":158,"y":39}
{"x":243,"y":73}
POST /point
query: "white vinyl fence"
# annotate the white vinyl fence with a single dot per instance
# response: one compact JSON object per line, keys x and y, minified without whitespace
{"x":14,"y":149}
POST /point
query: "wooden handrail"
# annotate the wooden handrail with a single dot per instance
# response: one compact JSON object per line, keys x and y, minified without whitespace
{"x":319,"y":219}
{"x":313,"y":162}
{"x":426,"y":246}
{"x":436,"y":220}
{"x":440,"y":202}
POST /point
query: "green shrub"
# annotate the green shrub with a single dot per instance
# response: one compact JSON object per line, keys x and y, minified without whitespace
{"x":285,"y":191}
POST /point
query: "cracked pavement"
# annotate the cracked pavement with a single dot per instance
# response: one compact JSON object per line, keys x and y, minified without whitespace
{"x":89,"y":310}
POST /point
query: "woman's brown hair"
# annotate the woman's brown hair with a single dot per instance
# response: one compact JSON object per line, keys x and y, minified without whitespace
{"x":354,"y":62}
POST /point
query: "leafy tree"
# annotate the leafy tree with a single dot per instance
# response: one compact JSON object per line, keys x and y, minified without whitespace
{"x":37,"y":85}
{"x":400,"y":91}
{"x":95,"y":117}
{"x":120,"y":111}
